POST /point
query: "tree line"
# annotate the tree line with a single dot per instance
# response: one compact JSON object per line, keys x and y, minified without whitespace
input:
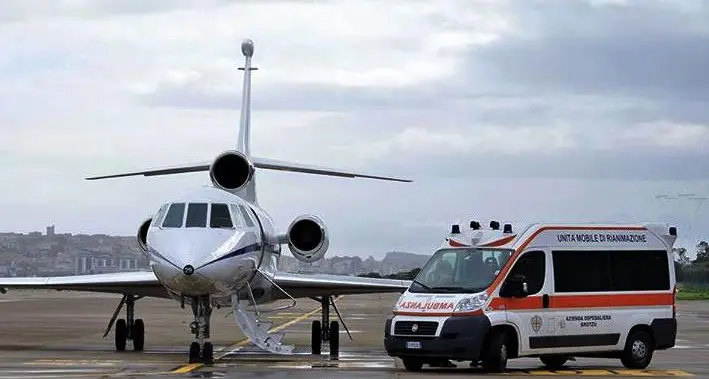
{"x":692,"y":271}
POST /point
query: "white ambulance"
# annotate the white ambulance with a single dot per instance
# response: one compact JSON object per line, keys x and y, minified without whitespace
{"x":550,"y":291}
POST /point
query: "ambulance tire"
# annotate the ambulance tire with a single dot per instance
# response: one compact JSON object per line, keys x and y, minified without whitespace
{"x":496,"y":352}
{"x":412,"y":364}
{"x":553,"y":362}
{"x":638,"y":350}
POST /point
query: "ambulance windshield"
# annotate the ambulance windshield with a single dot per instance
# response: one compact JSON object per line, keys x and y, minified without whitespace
{"x":466,"y":270}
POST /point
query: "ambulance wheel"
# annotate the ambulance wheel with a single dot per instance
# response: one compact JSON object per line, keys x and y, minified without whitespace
{"x":316,"y":337}
{"x":412,"y":364}
{"x":638,"y":350}
{"x":553,"y":362}
{"x":496,"y":352}
{"x":334,"y":339}
{"x":121,"y":334}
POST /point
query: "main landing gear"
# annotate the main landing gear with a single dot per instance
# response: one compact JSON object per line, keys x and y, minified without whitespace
{"x":201,"y":351}
{"x":128,"y":328}
{"x":324,"y":330}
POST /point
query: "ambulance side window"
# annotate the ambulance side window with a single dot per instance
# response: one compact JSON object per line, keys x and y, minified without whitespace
{"x":532,"y":265}
{"x":581,"y":271}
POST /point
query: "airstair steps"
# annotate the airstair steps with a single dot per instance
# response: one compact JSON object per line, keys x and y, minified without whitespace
{"x":257,"y":331}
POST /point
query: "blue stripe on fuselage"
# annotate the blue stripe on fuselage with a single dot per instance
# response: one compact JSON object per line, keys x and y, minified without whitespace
{"x":241,"y":251}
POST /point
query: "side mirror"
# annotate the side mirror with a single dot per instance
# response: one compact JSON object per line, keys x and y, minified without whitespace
{"x":515,"y":286}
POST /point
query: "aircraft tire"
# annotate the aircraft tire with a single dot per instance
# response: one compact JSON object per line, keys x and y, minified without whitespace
{"x":315,"y":337}
{"x":138,"y":335}
{"x":121,"y":334}
{"x":194,"y":353}
{"x":334,"y":339}
{"x":208,"y":353}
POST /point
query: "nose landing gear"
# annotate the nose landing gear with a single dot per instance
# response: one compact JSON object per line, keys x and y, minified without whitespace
{"x":201,"y":351}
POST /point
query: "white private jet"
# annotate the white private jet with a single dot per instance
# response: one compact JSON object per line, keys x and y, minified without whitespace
{"x":217,"y":247}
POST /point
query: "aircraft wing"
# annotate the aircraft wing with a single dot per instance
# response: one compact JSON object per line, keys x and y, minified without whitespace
{"x":140,"y":283}
{"x":314,"y":285}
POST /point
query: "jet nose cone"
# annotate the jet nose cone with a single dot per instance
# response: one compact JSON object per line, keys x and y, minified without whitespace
{"x":188,"y":270}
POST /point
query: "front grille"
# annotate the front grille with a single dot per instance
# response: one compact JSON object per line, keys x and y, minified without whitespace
{"x":423,"y":328}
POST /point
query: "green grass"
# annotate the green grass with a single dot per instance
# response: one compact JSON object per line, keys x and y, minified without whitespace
{"x":692,"y":293}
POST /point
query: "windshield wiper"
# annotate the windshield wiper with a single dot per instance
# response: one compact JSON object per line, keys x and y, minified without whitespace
{"x":427,"y":288}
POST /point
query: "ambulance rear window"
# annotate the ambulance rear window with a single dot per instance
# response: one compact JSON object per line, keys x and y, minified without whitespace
{"x":605,"y":271}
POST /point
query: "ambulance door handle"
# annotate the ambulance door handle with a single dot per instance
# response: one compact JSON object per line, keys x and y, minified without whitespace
{"x":545,"y":301}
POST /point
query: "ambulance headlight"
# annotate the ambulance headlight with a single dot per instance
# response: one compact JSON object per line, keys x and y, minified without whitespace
{"x":471,"y":303}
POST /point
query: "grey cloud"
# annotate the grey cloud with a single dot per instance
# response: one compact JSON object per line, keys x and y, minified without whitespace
{"x":582,"y":164}
{"x":21,"y":10}
{"x":653,"y":56}
{"x":644,"y":51}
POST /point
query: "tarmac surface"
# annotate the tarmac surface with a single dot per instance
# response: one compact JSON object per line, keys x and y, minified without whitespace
{"x":49,"y":334}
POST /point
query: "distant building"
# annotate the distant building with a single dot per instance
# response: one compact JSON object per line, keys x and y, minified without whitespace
{"x":50,"y":231}
{"x":103,"y":263}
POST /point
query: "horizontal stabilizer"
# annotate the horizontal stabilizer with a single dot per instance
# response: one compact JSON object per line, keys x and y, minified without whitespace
{"x":196,"y":167}
{"x":272,"y":164}
{"x":264,"y":163}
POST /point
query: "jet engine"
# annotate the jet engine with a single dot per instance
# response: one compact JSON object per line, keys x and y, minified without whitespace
{"x":307,"y":238}
{"x":231,"y":170}
{"x":143,"y":234}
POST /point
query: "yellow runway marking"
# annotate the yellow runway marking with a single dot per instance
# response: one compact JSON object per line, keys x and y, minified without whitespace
{"x":186,"y":368}
{"x":600,"y":372}
{"x":244,"y":342}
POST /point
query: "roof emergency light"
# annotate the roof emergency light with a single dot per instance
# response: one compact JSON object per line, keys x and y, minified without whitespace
{"x":455,"y":229}
{"x":494,"y":225}
{"x":507,"y":228}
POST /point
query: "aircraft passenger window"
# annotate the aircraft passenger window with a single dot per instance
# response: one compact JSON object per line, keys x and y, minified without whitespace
{"x":247,"y":216}
{"x":196,"y":215}
{"x":640,"y":270}
{"x":532,"y":265}
{"x":174,"y":216}
{"x":220,"y":217}
{"x":581,"y":271}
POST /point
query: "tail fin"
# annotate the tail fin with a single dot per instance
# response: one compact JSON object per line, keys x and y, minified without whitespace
{"x":244,"y":143}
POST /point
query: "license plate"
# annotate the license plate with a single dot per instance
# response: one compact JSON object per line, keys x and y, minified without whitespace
{"x":413,"y":345}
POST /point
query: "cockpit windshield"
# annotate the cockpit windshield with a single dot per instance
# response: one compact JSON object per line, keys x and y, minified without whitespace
{"x":466,"y":270}
{"x":199,"y":215}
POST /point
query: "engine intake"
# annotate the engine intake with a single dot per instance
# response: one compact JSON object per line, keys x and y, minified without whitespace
{"x":231,"y":170}
{"x":142,"y":235}
{"x":307,"y":238}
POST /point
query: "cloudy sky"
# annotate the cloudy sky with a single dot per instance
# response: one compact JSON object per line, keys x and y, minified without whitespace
{"x":510,"y":110}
